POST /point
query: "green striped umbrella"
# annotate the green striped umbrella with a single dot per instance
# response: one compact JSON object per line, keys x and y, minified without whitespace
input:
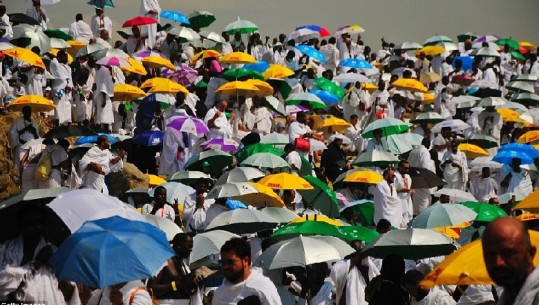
{"x":388,"y":126}
{"x":485,"y":212}
{"x":321,"y":198}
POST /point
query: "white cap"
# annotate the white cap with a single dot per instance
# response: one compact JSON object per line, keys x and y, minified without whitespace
{"x":48,"y":89}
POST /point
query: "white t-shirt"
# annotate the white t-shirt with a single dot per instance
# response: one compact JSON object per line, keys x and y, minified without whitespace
{"x":165,"y":212}
{"x":255,"y":285}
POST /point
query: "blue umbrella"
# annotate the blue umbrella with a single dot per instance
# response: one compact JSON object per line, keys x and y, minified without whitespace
{"x":260,"y":66}
{"x":93,"y":139}
{"x":312,"y":52}
{"x":356,"y":63}
{"x":467,"y":62}
{"x":149,"y":138}
{"x":235,"y":204}
{"x":112,"y":250}
{"x":325,"y":96}
{"x":103,"y":4}
{"x":521,"y":148}
{"x":175,"y":16}
{"x":507,"y":156}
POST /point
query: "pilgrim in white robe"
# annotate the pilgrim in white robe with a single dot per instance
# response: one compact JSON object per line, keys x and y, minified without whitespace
{"x":62,"y":98}
{"x":349,"y":283}
{"x":387,"y":204}
{"x":420,"y":157}
{"x":58,"y":155}
{"x":519,"y":183}
{"x":404,"y":182}
{"x":99,"y":24}
{"x":102,"y":95}
{"x":81,"y":31}
{"x":84,"y":106}
{"x":145,"y":7}
{"x":222,"y":128}
{"x":455,"y":177}
{"x":263,"y":121}
{"x":483,"y":188}
{"x":91,"y":179}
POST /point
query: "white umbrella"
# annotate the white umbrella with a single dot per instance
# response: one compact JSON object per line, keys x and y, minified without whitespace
{"x":351,"y":78}
{"x":164,"y":224}
{"x":188,"y":176}
{"x":176,"y":191}
{"x":302,"y":251}
{"x":57,"y":43}
{"x":303,"y":34}
{"x":265,"y":160}
{"x":405,"y":46}
{"x":403,"y":142}
{"x":455,"y":195}
{"x":111,"y":52}
{"x":275,"y":138}
{"x":305,"y":96}
{"x":209,"y":243}
{"x":35,"y":34}
{"x":454,"y":124}
{"x":6,"y":46}
{"x":443,"y":215}
{"x":465,"y":101}
{"x":242,"y":26}
{"x":316,"y":145}
{"x":492,"y":101}
{"x":487,"y":52}
{"x":478,"y":163}
{"x":91,"y":48}
{"x":375,"y":158}
{"x":240,"y":174}
{"x":227,"y":190}
{"x":516,"y":106}
{"x":212,"y":36}
{"x":275,"y":104}
{"x":526,"y":78}
{"x":184,"y":32}
{"x":242,"y":221}
{"x":282,"y":215}
{"x":33,"y":195}
{"x":77,"y":206}
{"x":448,"y":46}
{"x":520,"y":86}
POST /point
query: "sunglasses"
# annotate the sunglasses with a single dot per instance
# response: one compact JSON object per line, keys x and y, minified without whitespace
{"x":228,"y":262}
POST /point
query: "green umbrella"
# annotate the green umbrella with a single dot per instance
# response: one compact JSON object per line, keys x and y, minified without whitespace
{"x":329,"y":86}
{"x":200,"y":19}
{"x":216,"y":159}
{"x":201,"y":84}
{"x":321,"y":198}
{"x":298,"y":98}
{"x":274,"y":104}
{"x":485,"y":212}
{"x":513,"y":44}
{"x":306,"y":168}
{"x":427,"y":117}
{"x":252,"y":149}
{"x":352,"y":233}
{"x":280,"y":85}
{"x":365,"y":209}
{"x":309,"y":227}
{"x":517,"y":55}
{"x":466,"y":36}
{"x":388,"y":126}
{"x":57,"y":33}
{"x":235,"y":74}
{"x":376,"y":158}
{"x":481,"y":140}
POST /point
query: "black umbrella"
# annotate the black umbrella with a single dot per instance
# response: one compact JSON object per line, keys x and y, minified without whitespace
{"x":69,"y":131}
{"x":17,"y":18}
{"x":424,"y":178}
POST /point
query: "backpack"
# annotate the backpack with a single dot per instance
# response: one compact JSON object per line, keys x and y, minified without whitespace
{"x":44,"y":168}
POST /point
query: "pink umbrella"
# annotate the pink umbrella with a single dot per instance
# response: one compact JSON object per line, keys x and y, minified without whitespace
{"x":113,"y":61}
{"x":227,"y":145}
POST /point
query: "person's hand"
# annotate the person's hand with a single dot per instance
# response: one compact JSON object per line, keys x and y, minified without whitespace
{"x":455,"y":165}
{"x":43,"y":257}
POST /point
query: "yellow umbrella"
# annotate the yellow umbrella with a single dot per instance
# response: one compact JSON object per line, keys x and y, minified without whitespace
{"x":318,"y":121}
{"x":428,"y":98}
{"x":265,"y":88}
{"x":409,"y":84}
{"x":429,"y":77}
{"x":528,"y":217}
{"x":152,"y":82}
{"x":237,"y":58}
{"x":336,"y":124}
{"x":536,"y":146}
{"x":509,"y":115}
{"x":126,"y":92}
{"x":366,"y":176}
{"x":453,"y":232}
{"x":323,"y":218}
{"x":75,"y":46}
{"x":370,"y":87}
{"x":472,"y":151}
{"x":136,"y":67}
{"x":156,"y":62}
{"x":467,"y":267}
{"x":168,"y":87}
{"x":277,"y":71}
{"x":37,"y":103}
{"x":55,"y":53}
{"x":286,"y":181}
{"x":155,"y":180}
{"x":529,"y":203}
{"x":26,"y":56}
{"x":238,"y":88}
{"x":205,"y":54}
{"x":527,"y":45}
{"x":431,"y":50}
{"x":265,"y":198}
{"x":530,"y":136}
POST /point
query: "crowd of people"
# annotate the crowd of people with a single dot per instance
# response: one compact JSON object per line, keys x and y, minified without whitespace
{"x":468,"y":81}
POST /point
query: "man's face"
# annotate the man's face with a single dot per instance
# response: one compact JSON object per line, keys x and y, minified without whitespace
{"x":354,"y":121}
{"x":390,"y":176}
{"x":222,"y":106}
{"x":160,"y":196}
{"x":183,"y":250}
{"x":403,"y":169}
{"x":232,"y":266}
{"x":507,"y":259}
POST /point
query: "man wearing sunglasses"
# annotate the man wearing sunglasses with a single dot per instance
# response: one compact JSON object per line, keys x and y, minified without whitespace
{"x":243,"y":285}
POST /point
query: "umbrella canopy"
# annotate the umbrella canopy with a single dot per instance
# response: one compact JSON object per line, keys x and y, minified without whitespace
{"x":264,"y":88}
{"x":322,"y":198}
{"x":265,"y":160}
{"x":530,"y":136}
{"x":77,"y":206}
{"x":356,"y":63}
{"x":241,"y":26}
{"x":156,"y":62}
{"x":353,"y":233}
{"x":238,"y":88}
{"x":175,"y":191}
{"x":190,"y":125}
{"x":312,"y":52}
{"x":149,"y":138}
{"x":424,"y":178}
{"x":164,"y":224}
{"x":411,"y":244}
{"x":529,"y":99}
{"x":317,"y":217}
{"x":252,"y":149}
{"x":277,"y":71}
{"x":437,"y":39}
{"x":281,"y":214}
{"x":216,"y":158}
{"x":364,"y":208}
{"x":528,"y":202}
{"x":472,"y":151}
{"x":286,"y":181}
{"x":240,"y":174}
{"x":275,"y":138}
{"x":427,"y":117}
{"x":209,"y":243}
{"x":212,"y":36}
{"x":237,"y":58}
{"x":113,"y":61}
{"x":301,"y":35}
{"x":126,"y":92}
{"x":297,"y":98}
{"x":35,"y":102}
{"x":455,"y":125}
{"x":90,"y":256}
{"x":376,"y":158}
{"x":35,"y":36}
{"x":175,"y":16}
{"x":265,"y":197}
{"x":348,"y":29}
{"x":429,"y":77}
{"x":443,"y":215}
{"x":227,"y":145}
{"x":70,"y":131}
{"x":188,"y":177}
{"x":139,"y":20}
{"x":329,"y":86}
{"x":135,"y":67}
{"x":242,"y":221}
{"x":351,"y":78}
{"x":388,"y":126}
{"x":485,"y":212}
{"x":409,"y":84}
{"x":102,"y":4}
{"x":302,"y":251}
{"x":431,"y":50}
{"x":466,"y":266}
{"x":406,"y":46}
{"x":155,"y":180}
{"x":168,"y":86}
{"x":481,"y":140}
{"x":26,"y":56}
{"x":364,"y":176}
{"x":487,"y":52}
{"x":403,"y":142}
{"x":241,"y":73}
{"x":232,"y":189}
{"x":200,"y":19}
{"x":310,"y":227}
{"x":22,"y":19}
{"x":455,"y":195}
{"x":184,"y":33}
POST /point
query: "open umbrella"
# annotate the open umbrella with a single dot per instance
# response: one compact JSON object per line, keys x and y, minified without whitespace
{"x":423,"y":178}
{"x":388,"y":127}
{"x":297,"y":98}
{"x":175,"y":16}
{"x":443,"y":215}
{"x":409,"y":84}
{"x":216,"y":158}
{"x":164,"y":224}
{"x":466,"y":266}
{"x":212,"y":36}
{"x":175,"y":191}
{"x":224,"y":144}
{"x":455,"y":125}
{"x":184,"y":33}
{"x":364,"y":176}
{"x":507,"y":156}
{"x":126,"y":92}
{"x":70,"y":131}
{"x":348,"y":29}
{"x":455,"y":195}
{"x":242,"y":221}
{"x":485,"y":212}
{"x":237,"y":58}
{"x":241,"y":73}
{"x":277,"y":71}
{"x":376,"y":158}
{"x":312,"y":52}
{"x":139,"y":20}
{"x":149,"y":138}
{"x":353,"y":233}
{"x":241,"y":26}
{"x":472,"y":151}
{"x":103,"y":4}
{"x":427,"y":117}
{"x":322,"y":198}
{"x":437,"y":39}
{"x":156,"y":62}
{"x":302,"y":251}
{"x":238,"y":88}
{"x":310,"y":227}
{"x":356,"y":63}
{"x":407,"y":46}
{"x":275,"y":138}
{"x":34,"y":34}
{"x":265,"y":161}
{"x":200,"y":19}
{"x":188,"y":177}
{"x":35,"y":102}
{"x":281,"y":214}
{"x":168,"y":87}
{"x":411,"y":244}
{"x":329,"y":86}
{"x":240,"y":174}
{"x":362,"y":207}
{"x":530,"y":99}
{"x":90,"y":256}
{"x":209,"y":243}
{"x":481,"y":140}
{"x":286,"y":181}
{"x":113,"y":61}
{"x":265,"y":197}
{"x":25,"y":55}
{"x":429,"y":77}
{"x":231,"y":189}
{"x":19,"y":18}
{"x":264,"y":88}
{"x":402,"y":142}
{"x":252,"y":149}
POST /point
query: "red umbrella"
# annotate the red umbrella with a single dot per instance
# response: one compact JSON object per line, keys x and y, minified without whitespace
{"x":463,"y":79}
{"x":140,"y":20}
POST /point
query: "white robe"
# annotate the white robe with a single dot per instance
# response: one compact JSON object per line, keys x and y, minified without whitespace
{"x":84,"y":107}
{"x":401,"y":182}
{"x":14,"y":139}
{"x":103,"y":80}
{"x":81,"y":31}
{"x":169,"y":162}
{"x":222,"y":128}
{"x":151,"y":30}
{"x":519,"y":182}
{"x":62,"y":99}
{"x":7,"y":27}
{"x":349,"y":283}
{"x":91,"y":179}
{"x":58,"y":155}
{"x":263,"y":121}
{"x":354,"y":134}
{"x":420,"y":157}
{"x":387,"y":204}
{"x":98,"y":25}
{"x":483,"y":188}
{"x":456,"y":178}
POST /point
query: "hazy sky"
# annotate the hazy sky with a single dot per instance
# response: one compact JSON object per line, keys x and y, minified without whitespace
{"x":396,"y":20}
